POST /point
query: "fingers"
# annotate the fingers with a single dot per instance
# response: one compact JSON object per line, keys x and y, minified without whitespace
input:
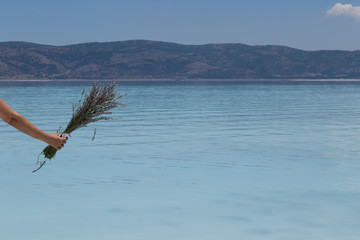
{"x":56,"y":141}
{"x":62,"y":143}
{"x":64,"y":139}
{"x":60,"y":147}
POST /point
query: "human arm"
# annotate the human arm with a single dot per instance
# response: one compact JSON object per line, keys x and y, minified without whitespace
{"x":19,"y":122}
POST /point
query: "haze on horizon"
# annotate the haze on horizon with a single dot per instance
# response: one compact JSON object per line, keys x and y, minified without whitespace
{"x":307,"y":25}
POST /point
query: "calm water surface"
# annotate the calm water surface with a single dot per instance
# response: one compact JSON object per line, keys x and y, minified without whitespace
{"x":187,"y":161}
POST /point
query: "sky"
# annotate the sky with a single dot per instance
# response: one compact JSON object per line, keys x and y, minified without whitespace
{"x":302,"y":24}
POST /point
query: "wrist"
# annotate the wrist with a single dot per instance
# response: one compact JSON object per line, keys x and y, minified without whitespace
{"x":45,"y":137}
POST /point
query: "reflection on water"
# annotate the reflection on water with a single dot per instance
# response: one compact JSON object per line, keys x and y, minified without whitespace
{"x":264,"y":160}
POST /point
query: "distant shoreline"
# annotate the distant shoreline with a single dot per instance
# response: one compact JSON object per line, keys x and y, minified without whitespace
{"x":145,"y":60}
{"x":181,"y":80}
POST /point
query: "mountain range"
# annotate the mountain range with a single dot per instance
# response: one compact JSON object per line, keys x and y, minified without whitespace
{"x":143,"y":59}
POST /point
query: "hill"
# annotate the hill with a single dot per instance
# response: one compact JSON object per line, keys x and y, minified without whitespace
{"x":142,"y":59}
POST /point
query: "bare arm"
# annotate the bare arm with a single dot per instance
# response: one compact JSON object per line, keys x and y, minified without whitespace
{"x":19,"y":122}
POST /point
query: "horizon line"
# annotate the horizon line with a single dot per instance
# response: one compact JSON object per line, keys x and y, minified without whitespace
{"x":160,"y":41}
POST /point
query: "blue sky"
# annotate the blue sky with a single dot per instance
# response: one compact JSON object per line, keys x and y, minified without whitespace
{"x":301,"y":24}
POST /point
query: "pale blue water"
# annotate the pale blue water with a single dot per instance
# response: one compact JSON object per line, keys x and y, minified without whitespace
{"x":188,"y":161}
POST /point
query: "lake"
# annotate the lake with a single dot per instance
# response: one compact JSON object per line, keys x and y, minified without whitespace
{"x":235,"y":160}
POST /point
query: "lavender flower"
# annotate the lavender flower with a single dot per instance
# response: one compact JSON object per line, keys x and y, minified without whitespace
{"x":89,"y":109}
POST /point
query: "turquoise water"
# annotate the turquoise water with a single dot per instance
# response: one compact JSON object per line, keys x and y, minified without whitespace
{"x":265,"y":160}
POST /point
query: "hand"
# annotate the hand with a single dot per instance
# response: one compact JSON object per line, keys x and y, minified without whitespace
{"x":56,"y":141}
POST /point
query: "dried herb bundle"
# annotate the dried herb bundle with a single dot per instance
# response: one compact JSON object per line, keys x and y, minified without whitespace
{"x":90,"y":108}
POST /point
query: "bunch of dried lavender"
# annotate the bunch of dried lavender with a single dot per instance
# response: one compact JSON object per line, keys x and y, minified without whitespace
{"x":90,"y":108}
